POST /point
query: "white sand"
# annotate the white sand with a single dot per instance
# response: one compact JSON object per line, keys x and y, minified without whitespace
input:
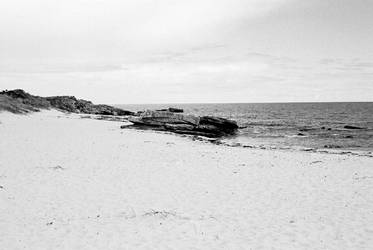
{"x":69,"y":183}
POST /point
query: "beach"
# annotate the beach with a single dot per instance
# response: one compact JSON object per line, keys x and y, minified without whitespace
{"x":73,"y":183}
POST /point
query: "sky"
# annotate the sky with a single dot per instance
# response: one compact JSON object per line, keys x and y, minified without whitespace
{"x":189,"y":51}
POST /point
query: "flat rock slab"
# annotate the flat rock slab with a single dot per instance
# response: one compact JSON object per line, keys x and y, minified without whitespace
{"x":208,"y":126}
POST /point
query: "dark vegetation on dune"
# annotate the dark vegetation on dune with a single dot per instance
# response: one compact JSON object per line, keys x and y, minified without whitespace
{"x":15,"y":105}
{"x":19,"y":101}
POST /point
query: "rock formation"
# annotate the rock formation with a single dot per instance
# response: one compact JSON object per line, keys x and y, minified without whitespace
{"x":184,"y":124}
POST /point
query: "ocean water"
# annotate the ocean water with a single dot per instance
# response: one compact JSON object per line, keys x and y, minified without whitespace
{"x":294,"y":125}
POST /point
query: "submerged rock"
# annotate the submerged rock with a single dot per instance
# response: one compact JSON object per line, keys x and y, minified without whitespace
{"x":352,"y":127}
{"x":332,"y":146}
{"x":306,"y":129}
{"x":208,"y":126}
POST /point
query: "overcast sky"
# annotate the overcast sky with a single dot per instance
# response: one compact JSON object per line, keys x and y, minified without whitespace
{"x":163,"y":51}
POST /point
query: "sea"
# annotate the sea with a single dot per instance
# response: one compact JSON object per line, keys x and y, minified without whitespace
{"x":290,"y":125}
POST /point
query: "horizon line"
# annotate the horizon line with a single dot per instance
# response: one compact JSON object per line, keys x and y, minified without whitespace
{"x":186,"y":103}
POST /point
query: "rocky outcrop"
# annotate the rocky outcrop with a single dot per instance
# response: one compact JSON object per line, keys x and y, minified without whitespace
{"x":71,"y":104}
{"x":30,"y":102}
{"x":208,"y":126}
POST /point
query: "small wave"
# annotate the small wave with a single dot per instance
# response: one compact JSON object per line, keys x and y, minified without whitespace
{"x":331,"y":149}
{"x":263,"y":124}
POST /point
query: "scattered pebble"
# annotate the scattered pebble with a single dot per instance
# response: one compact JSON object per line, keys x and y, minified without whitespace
{"x":332,"y":146}
{"x":58,"y":167}
{"x":314,"y":162}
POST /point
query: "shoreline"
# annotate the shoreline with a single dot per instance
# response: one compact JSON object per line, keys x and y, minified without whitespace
{"x":224,"y":142}
{"x":221,"y":142}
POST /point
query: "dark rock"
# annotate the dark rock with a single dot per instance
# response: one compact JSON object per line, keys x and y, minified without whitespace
{"x":173,"y":110}
{"x":352,"y":127}
{"x":323,"y":127}
{"x":329,"y":129}
{"x":308,"y":149}
{"x":332,"y":146}
{"x":349,"y":136}
{"x":305,"y":129}
{"x":216,"y":141}
{"x":301,"y":134}
{"x":176,"y":110}
{"x":207,"y":126}
{"x":221,"y":123}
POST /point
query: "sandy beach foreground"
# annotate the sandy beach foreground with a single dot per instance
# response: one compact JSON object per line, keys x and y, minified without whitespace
{"x":71,"y":183}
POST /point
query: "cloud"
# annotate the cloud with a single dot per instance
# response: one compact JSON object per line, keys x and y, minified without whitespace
{"x":254,"y":79}
{"x":117,"y":28}
{"x":185,"y":51}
